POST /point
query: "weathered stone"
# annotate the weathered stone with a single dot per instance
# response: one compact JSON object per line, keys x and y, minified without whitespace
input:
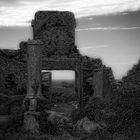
{"x":57,"y":31}
{"x":59,"y":120}
{"x":34,"y":69}
{"x":87,"y":126}
{"x":98,"y":84}
{"x":31,"y":125}
{"x":13,"y":76}
{"x":34,"y":90}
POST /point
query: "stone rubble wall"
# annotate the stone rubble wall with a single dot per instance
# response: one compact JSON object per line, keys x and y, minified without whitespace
{"x":98,"y":78}
{"x":11,"y":70}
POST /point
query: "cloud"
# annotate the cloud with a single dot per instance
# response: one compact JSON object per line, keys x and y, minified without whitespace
{"x":8,"y":3}
{"x":18,"y":12}
{"x":93,"y":47}
{"x":108,"y":28}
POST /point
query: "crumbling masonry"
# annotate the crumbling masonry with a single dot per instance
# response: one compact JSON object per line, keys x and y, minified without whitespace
{"x":53,"y":47}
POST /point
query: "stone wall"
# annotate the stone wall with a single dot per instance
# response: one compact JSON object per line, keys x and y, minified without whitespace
{"x":99,"y":80}
{"x":57,"y":31}
{"x":109,"y":83}
{"x":89,"y":65}
{"x":13,"y":74}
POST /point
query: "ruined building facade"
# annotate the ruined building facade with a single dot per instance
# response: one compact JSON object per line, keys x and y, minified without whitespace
{"x":56,"y":32}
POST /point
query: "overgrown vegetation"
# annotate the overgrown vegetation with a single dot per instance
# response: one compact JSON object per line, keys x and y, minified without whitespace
{"x":118,"y":117}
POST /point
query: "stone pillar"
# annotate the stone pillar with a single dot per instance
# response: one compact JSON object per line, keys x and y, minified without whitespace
{"x":34,"y":62}
{"x":98,"y":84}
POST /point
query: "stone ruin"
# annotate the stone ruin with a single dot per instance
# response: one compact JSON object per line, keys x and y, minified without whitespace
{"x":56,"y":32}
{"x":99,"y":78}
{"x":13,"y":75}
{"x":52,"y":48}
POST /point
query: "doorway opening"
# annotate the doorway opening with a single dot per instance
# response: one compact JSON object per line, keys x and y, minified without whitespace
{"x":59,"y":87}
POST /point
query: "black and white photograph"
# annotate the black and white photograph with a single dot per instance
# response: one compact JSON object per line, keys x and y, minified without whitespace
{"x":69,"y":69}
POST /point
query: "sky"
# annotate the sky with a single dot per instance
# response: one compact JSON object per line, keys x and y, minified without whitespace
{"x":108,"y":29}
